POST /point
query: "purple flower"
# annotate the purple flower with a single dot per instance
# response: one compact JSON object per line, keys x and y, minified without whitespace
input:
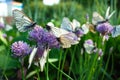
{"x":36,"y":33}
{"x":20,"y":48}
{"x":1,"y":25}
{"x":89,"y":42}
{"x":79,"y":32}
{"x":51,"y":40}
{"x":104,"y":28}
{"x":100,"y":53}
{"x":43,"y":38}
{"x":4,"y":35}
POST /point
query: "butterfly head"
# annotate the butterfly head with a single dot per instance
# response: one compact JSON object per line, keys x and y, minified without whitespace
{"x":49,"y":25}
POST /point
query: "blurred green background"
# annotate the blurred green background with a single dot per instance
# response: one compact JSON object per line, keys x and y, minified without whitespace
{"x":106,"y":69}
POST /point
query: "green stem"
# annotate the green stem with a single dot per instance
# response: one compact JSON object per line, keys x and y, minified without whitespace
{"x":60,"y":71}
{"x":91,"y":72}
{"x":72,"y":59}
{"x":60,"y":59}
{"x":47,"y":68}
{"x":108,"y":59}
{"x":63,"y":63}
{"x":22,"y":67}
{"x":38,"y":73}
{"x":36,"y":11}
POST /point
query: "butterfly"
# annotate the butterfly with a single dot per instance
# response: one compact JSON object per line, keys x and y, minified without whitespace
{"x":23,"y":23}
{"x":89,"y":47}
{"x":116,"y":31}
{"x":70,"y":26}
{"x":97,"y":18}
{"x":74,"y":26}
{"x":65,"y":37}
{"x":39,"y":61}
{"x":88,"y":26}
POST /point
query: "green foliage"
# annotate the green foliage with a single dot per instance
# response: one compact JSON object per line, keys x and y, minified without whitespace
{"x":67,"y":64}
{"x":55,"y":13}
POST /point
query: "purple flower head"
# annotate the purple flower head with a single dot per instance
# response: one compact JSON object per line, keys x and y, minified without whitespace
{"x":89,"y":42}
{"x":79,"y":32}
{"x":104,"y":28}
{"x":36,"y":33}
{"x":51,"y":40}
{"x":100,"y":52}
{"x":2,"y":25}
{"x":20,"y":48}
{"x":43,"y":38}
{"x":4,"y":35}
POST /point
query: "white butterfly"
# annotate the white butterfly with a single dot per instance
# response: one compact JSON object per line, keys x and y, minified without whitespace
{"x":41,"y":60}
{"x":23,"y":23}
{"x":89,"y":47}
{"x":97,"y":18}
{"x":74,"y":26}
{"x":116,"y":31}
{"x":65,"y":37}
{"x":70,"y":26}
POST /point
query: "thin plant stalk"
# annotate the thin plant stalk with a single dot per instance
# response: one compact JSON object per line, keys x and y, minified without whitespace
{"x":63,"y":63}
{"x":72,"y":59}
{"x":61,"y":71}
{"x":60,"y":59}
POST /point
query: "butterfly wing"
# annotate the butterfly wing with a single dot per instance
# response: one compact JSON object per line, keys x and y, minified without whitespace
{"x":43,"y":59}
{"x":22,"y":21}
{"x":55,"y":30}
{"x":89,"y":48}
{"x":66,"y":24}
{"x":97,"y":18}
{"x":76,"y":24}
{"x":68,"y":39}
{"x":116,"y":31}
{"x":32,"y":55}
{"x":85,"y":28}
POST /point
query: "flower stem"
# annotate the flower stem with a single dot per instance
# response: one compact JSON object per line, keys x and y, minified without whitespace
{"x":63,"y":63}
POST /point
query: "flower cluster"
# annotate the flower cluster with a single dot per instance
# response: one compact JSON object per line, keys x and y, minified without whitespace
{"x":44,"y":38}
{"x":104,"y":28}
{"x":20,"y":49}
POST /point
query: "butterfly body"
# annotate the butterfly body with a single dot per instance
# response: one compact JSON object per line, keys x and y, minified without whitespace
{"x":30,"y":25}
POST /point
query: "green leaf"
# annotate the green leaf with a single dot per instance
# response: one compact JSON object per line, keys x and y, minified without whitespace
{"x":7,"y":62}
{"x":3,"y":39}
